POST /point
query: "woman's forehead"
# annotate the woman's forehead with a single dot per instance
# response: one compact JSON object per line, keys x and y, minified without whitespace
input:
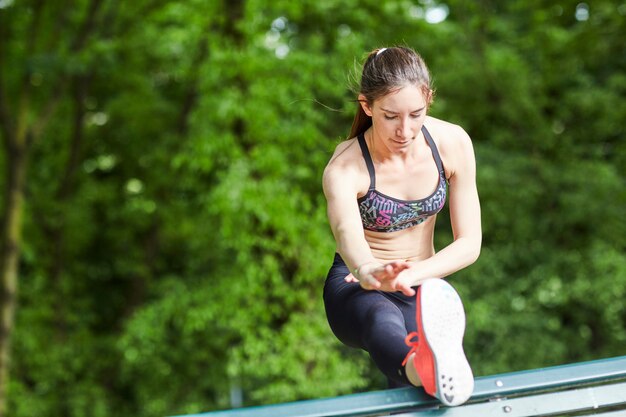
{"x":405,"y":99}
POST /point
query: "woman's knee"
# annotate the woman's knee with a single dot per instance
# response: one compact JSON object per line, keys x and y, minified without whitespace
{"x":383,"y":321}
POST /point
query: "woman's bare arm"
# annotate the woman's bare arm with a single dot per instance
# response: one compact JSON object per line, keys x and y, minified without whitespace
{"x":464,"y":214}
{"x":340,"y":183}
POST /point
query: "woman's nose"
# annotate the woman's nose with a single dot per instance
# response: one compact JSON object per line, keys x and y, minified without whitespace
{"x":405,"y":131}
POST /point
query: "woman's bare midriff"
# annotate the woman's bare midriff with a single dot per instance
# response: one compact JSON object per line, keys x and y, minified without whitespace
{"x":412,"y":244}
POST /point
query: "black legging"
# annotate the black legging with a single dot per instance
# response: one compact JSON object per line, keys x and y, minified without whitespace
{"x":375,"y":321}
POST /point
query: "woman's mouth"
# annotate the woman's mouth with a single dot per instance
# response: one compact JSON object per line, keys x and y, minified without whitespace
{"x":401,"y":142}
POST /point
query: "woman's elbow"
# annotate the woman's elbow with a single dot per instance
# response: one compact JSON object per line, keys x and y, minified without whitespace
{"x":474,"y":254}
{"x":473,"y":246}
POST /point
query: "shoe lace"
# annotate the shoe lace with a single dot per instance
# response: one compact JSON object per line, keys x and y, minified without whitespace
{"x":412,"y":343}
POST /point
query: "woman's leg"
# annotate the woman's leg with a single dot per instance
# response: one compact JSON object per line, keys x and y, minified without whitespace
{"x":371,"y":320}
{"x":383,"y":334}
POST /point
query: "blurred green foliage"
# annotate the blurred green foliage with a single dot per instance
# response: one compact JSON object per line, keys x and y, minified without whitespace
{"x":175,"y":239}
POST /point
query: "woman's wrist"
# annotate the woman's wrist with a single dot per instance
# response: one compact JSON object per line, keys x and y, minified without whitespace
{"x":356,"y":270}
{"x":418,"y":273}
{"x":414,"y":273}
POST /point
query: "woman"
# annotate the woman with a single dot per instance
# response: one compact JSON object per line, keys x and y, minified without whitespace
{"x":384,"y":187}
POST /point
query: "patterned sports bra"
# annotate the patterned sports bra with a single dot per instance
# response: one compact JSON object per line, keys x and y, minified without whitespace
{"x":381,"y":213}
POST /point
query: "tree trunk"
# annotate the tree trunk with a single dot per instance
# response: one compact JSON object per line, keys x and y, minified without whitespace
{"x":18,"y":132}
{"x":10,"y":254}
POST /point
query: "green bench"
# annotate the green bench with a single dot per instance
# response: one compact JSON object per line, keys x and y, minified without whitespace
{"x":597,"y":387}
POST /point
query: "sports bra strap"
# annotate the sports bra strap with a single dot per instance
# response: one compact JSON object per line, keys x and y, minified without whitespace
{"x":433,"y":149}
{"x":368,"y":160}
{"x":370,"y":165}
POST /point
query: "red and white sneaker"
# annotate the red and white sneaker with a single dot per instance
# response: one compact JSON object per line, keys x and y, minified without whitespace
{"x":439,"y":358}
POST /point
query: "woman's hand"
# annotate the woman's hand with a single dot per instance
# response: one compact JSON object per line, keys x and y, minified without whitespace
{"x":384,"y":277}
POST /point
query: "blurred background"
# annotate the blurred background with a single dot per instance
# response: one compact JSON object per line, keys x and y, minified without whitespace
{"x":164,"y":236}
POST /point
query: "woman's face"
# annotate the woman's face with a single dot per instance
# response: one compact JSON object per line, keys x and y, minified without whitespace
{"x":397,"y":117}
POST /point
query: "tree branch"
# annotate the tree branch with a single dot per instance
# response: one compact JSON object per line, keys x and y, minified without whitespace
{"x":5,"y":119}
{"x":79,"y":93}
{"x":60,"y":23}
{"x":23,"y":107}
{"x":191,"y":96}
{"x":87,"y":27}
{"x":50,"y":107}
{"x":146,"y":10}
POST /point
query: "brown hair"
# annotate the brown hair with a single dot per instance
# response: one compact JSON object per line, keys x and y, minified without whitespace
{"x":384,"y":71}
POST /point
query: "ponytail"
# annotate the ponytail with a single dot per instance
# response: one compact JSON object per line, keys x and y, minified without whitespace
{"x":361,"y":122}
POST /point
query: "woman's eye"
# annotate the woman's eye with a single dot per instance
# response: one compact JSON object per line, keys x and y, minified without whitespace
{"x":414,"y":116}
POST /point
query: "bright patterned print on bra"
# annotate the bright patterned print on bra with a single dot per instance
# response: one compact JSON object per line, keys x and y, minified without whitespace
{"x":381,"y":213}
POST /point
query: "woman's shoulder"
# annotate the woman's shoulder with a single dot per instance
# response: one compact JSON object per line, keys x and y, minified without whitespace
{"x":452,"y":141}
{"x":445,"y":131}
{"x":344,"y":164}
{"x":345,"y":155}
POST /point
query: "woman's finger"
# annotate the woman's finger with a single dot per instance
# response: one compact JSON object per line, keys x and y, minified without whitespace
{"x":374,"y":285}
{"x":406,"y":290}
{"x":399,"y":266}
{"x":389,"y":271}
{"x":350,"y":278}
{"x":369,"y":283}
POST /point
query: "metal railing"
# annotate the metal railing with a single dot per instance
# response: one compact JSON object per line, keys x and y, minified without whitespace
{"x":597,"y":386}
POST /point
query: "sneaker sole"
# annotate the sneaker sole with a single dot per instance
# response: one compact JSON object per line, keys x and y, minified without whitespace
{"x":443,"y":325}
